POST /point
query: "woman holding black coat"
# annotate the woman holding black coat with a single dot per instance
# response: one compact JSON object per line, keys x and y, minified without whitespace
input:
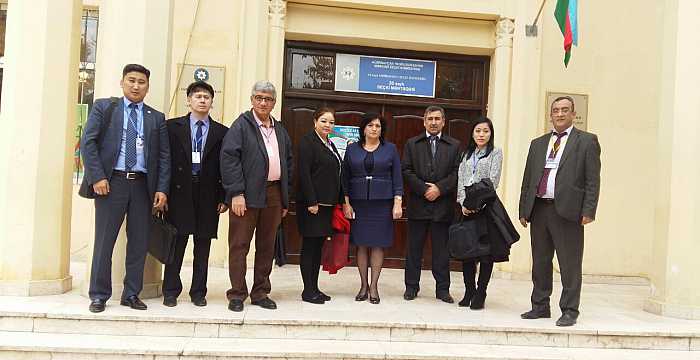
{"x":318,"y":191}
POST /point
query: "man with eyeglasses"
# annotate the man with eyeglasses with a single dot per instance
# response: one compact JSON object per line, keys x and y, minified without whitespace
{"x":559,"y":195}
{"x":256,"y":170}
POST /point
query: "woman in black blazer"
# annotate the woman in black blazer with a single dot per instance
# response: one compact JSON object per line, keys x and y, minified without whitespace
{"x":319,"y":190}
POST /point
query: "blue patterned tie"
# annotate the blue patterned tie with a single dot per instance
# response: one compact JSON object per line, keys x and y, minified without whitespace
{"x":198,"y":146}
{"x":131,"y":134}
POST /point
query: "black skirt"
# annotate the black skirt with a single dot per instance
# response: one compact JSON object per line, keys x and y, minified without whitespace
{"x":315,"y":225}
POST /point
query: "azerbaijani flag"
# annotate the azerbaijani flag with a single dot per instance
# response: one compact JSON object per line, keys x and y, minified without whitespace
{"x":566,"y":15}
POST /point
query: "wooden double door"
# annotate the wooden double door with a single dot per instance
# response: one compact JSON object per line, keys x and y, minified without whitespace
{"x":404,"y":119}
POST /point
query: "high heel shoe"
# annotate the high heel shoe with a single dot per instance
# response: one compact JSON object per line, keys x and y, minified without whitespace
{"x":374,"y":300}
{"x":361,"y":297}
{"x":478,"y":300}
{"x":468,"y":296}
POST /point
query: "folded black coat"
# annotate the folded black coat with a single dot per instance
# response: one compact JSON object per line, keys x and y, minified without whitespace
{"x":501,"y":232}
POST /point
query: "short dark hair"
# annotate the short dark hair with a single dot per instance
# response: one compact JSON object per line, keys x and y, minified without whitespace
{"x":322,"y":110}
{"x":471,"y":144}
{"x":571,"y":100}
{"x":199,"y":86}
{"x":136,"y":68}
{"x":368,"y":118}
{"x":433,"y":108}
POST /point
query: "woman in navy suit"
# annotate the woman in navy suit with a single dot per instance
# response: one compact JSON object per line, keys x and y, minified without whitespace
{"x":373,"y":189}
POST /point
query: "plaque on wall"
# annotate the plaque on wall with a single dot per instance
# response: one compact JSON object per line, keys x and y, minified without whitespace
{"x":213,"y":75}
{"x":383,"y":75}
{"x":580,"y":106}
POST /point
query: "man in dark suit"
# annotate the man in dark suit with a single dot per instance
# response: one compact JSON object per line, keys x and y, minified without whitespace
{"x":559,"y":195}
{"x":430,"y":164}
{"x":256,"y":169}
{"x":196,"y":194}
{"x":127,"y":163}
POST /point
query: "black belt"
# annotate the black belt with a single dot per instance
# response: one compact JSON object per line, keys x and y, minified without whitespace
{"x":129,"y":175}
{"x":270,"y":183}
{"x":545,"y":200}
{"x":195,"y":178}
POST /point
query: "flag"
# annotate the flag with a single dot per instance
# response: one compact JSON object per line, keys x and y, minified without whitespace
{"x":566,"y":14}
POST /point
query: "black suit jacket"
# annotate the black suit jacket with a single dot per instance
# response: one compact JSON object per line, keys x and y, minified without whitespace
{"x":99,"y":159}
{"x":181,"y":211}
{"x":319,"y":172}
{"x":419,"y":168}
{"x":577,"y":184}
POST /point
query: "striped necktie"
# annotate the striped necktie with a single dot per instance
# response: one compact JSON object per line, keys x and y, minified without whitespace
{"x":131,"y":135}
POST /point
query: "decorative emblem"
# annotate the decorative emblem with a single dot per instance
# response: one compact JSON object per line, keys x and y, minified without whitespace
{"x":348,"y":73}
{"x":201,"y":74}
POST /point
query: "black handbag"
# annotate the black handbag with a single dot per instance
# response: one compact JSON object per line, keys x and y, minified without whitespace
{"x":161,"y":243}
{"x":468,"y":238}
{"x":86,"y":190}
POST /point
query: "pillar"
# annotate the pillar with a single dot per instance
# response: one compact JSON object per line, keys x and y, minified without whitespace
{"x":675,"y":288}
{"x":277,"y":11}
{"x":499,"y":104}
{"x":252,"y":52}
{"x":36,"y":159}
{"x":133,"y":31}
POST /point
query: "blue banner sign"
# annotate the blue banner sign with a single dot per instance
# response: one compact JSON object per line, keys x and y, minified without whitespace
{"x":382,"y":75}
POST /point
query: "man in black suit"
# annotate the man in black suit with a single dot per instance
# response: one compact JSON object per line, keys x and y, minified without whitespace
{"x":196,"y":193}
{"x":559,"y":195}
{"x":127,"y":164}
{"x":430,"y":164}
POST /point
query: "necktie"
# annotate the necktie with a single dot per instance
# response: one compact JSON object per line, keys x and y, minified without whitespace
{"x":433,"y":145}
{"x":542,"y":186}
{"x":131,"y":135}
{"x":198,"y":146}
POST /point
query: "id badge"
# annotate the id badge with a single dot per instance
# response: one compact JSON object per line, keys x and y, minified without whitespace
{"x":551,"y":164}
{"x":139,"y":142}
{"x":196,"y":157}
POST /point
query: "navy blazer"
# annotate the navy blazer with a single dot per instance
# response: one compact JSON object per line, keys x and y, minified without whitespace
{"x":385,"y":182}
{"x":99,"y":159}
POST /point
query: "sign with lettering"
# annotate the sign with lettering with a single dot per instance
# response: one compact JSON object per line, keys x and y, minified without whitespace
{"x":213,"y":75}
{"x":383,"y":75}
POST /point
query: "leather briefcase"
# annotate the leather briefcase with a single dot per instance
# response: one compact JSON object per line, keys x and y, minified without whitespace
{"x":469,"y":238}
{"x":161,"y":243}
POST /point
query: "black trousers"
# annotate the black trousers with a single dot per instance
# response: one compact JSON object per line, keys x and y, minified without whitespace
{"x":469,"y":273}
{"x":172,"y":283}
{"x":550,"y":232}
{"x":417,"y":233}
{"x":126,"y":198}
{"x":310,"y":264}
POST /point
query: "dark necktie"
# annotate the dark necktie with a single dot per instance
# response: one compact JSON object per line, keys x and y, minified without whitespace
{"x":433,"y":145}
{"x":131,"y":135}
{"x":198,"y":146}
{"x":542,"y":186}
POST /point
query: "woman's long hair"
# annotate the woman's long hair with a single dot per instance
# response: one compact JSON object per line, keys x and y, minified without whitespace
{"x":471,"y":147}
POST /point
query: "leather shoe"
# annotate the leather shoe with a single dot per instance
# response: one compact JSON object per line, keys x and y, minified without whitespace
{"x":235,"y":305}
{"x":199,"y":301}
{"x":467,"y":299}
{"x":265,"y":303}
{"x":566,"y":319}
{"x":478,"y":300}
{"x":410,"y":294}
{"x":324,"y":296}
{"x":536,"y":314}
{"x":446,"y":298}
{"x":170,"y":301}
{"x":361,"y":297}
{"x":133,"y":302}
{"x":318,"y":299}
{"x":97,"y":305}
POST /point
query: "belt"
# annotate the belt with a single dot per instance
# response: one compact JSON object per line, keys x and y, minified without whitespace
{"x":195,"y":178}
{"x":129,"y":175}
{"x":270,"y":183}
{"x":545,"y":200}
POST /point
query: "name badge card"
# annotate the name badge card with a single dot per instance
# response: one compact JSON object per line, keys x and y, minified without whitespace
{"x":196,"y":157}
{"x":551,"y":164}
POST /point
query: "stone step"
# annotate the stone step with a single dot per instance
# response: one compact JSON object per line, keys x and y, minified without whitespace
{"x":57,"y":346}
{"x":262,"y":324}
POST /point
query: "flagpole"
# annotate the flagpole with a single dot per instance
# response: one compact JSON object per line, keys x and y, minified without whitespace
{"x":531,"y":30}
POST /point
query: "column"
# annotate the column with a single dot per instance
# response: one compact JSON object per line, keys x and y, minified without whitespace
{"x":40,"y":89}
{"x":675,"y":288}
{"x":252,"y":51}
{"x":133,"y":31}
{"x":275,"y":49}
{"x":499,"y":103}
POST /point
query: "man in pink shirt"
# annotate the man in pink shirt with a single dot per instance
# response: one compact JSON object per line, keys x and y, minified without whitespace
{"x":256,"y":171}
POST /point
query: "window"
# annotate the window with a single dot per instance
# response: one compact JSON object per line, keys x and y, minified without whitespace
{"x":3,"y":24}
{"x":88,"y":55}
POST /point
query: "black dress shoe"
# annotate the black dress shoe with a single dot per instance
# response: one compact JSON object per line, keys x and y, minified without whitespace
{"x":467,"y":299}
{"x":566,"y":319}
{"x":97,"y":305}
{"x":169,"y":301}
{"x":374,"y":300}
{"x":133,"y":302}
{"x":446,"y":297}
{"x":361,"y":297}
{"x":410,"y":294}
{"x":199,"y":301}
{"x":536,"y":314}
{"x":235,"y":305}
{"x":478,"y":300}
{"x":318,"y":299}
{"x":324,"y":296}
{"x":265,"y":303}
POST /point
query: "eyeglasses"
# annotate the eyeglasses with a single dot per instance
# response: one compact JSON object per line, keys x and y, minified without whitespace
{"x":260,"y":98}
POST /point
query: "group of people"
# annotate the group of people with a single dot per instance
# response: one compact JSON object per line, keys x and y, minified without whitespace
{"x":194,"y":168}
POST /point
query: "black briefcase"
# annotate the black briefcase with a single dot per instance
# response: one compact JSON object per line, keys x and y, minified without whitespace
{"x":161,"y":244}
{"x":468,"y":238}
